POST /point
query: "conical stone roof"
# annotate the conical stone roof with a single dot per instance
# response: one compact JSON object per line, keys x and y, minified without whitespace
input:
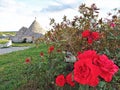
{"x":34,"y":31}
{"x":36,"y":28}
{"x":22,"y":31}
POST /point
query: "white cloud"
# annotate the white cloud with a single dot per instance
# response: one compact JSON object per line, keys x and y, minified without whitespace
{"x":14,"y":15}
{"x":10,"y":5}
{"x":17,"y":13}
{"x":68,"y":1}
{"x":54,"y":3}
{"x":104,"y":3}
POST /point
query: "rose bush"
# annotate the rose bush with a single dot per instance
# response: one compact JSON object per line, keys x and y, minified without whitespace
{"x":92,"y":43}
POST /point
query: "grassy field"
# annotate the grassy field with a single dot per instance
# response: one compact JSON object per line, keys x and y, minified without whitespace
{"x":12,"y":67}
{"x":8,"y":33}
{"x":22,"y":44}
{"x":3,"y":41}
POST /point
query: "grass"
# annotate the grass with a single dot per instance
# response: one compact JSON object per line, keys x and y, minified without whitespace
{"x":22,"y":44}
{"x":8,"y":33}
{"x":12,"y":67}
{"x":3,"y":41}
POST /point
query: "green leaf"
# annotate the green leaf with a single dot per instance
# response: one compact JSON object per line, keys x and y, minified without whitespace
{"x":101,"y":84}
{"x":107,"y":51}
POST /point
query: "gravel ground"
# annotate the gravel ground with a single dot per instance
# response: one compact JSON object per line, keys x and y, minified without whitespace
{"x":11,"y":49}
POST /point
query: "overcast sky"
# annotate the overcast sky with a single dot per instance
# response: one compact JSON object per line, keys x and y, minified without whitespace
{"x":17,"y":13}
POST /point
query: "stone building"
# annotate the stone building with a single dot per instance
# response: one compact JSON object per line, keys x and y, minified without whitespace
{"x":30,"y":34}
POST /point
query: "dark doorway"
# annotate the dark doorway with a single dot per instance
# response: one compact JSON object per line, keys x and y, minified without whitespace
{"x":24,"y":40}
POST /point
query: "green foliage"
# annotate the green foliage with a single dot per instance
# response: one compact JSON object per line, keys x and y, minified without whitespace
{"x":44,"y":71}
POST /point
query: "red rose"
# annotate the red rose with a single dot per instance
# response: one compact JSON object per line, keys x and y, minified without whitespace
{"x":27,"y":60}
{"x":60,"y":80}
{"x":51,"y":48}
{"x":95,"y":35}
{"x":91,"y":65}
{"x":78,"y":53}
{"x":112,"y":24}
{"x":86,"y":73}
{"x":85,"y":33}
{"x":41,"y":54}
{"x":69,"y":79}
{"x":91,"y":36}
{"x":87,"y":54}
{"x":107,"y":67}
{"x":90,"y":40}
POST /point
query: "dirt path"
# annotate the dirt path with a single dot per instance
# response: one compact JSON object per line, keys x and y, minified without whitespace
{"x":11,"y":49}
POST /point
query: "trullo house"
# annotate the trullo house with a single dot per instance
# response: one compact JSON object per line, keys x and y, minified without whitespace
{"x":30,"y":34}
